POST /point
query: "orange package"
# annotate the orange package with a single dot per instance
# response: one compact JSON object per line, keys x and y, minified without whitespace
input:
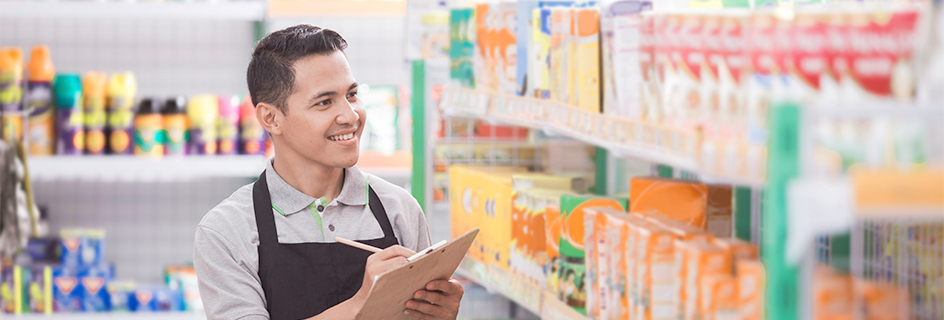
{"x":737,"y":249}
{"x":752,"y":281}
{"x":655,"y":254}
{"x":612,"y":239}
{"x":882,"y":301}
{"x":481,"y":197}
{"x":683,"y":231}
{"x":832,"y":294}
{"x":552,"y":232}
{"x":701,"y":260}
{"x":719,"y":210}
{"x":719,"y":297}
{"x":595,"y":240}
{"x":681,"y":200}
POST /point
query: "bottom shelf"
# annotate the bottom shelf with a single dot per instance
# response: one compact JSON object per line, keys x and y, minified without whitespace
{"x":117,"y":315}
{"x":528,"y":296}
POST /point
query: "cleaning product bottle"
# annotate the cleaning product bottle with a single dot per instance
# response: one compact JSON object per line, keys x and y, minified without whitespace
{"x":11,"y":93}
{"x":121,"y":90}
{"x":228,"y":124}
{"x":202,"y":110}
{"x":93,"y":90}
{"x":175,"y":125}
{"x":149,"y":129}
{"x":41,"y":122}
{"x":67,"y":89}
{"x":251,"y":135}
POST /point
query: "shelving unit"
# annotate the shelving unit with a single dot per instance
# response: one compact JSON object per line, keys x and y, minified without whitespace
{"x":132,"y":168}
{"x":223,"y":10}
{"x":105,"y":316}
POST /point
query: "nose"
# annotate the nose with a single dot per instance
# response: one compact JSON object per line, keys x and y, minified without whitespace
{"x":348,"y":115}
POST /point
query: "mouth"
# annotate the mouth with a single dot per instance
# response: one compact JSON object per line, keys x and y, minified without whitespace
{"x":342,"y":137}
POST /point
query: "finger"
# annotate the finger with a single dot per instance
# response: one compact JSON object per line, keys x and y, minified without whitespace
{"x":387,"y":265}
{"x":392,"y":252}
{"x":434,"y":297}
{"x":449,"y":287}
{"x":427,"y":308}
{"x":419,"y":315}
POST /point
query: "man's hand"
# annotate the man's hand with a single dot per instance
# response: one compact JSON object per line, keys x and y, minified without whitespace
{"x":381,"y":262}
{"x":439,"y":301}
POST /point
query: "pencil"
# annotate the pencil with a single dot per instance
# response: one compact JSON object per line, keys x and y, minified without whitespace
{"x":358,"y":245}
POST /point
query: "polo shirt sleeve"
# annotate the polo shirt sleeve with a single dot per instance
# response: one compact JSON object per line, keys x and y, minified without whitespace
{"x":416,"y":226}
{"x":229,"y":286}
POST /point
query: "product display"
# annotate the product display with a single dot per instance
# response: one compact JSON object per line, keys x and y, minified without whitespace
{"x":39,"y":101}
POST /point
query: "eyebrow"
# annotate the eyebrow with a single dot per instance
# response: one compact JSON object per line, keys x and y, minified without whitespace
{"x":331,"y":93}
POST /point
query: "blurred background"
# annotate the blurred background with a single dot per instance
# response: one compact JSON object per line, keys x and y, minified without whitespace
{"x":631,"y":159}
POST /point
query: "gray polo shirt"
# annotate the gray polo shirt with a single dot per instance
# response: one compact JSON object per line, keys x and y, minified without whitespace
{"x":225,"y":252}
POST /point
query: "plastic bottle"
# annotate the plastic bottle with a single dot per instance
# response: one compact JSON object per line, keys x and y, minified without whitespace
{"x":11,"y":93}
{"x":175,"y":125}
{"x":149,"y":129}
{"x":202,"y":110}
{"x":228,"y":124}
{"x":67,"y":89}
{"x":41,"y":120}
{"x":93,"y":90}
{"x":122,"y":88}
{"x":251,"y":135}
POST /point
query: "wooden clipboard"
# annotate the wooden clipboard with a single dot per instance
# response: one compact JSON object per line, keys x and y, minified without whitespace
{"x":387,"y":297}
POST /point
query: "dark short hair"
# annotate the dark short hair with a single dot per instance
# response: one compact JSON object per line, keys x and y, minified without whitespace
{"x":270,"y":75}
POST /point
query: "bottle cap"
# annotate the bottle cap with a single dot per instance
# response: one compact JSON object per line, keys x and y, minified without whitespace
{"x":148,"y":106}
{"x":175,"y":105}
{"x":122,"y":83}
{"x":229,"y":106}
{"x":202,"y":110}
{"x":68,"y":91}
{"x":247,"y":111}
{"x":40,"y":66}
{"x":93,"y":84}
{"x":11,"y":59}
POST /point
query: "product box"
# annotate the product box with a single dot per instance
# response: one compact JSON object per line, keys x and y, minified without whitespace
{"x":732,"y":77}
{"x":40,"y":289}
{"x":832,"y":294}
{"x":484,"y":59}
{"x":539,"y":64}
{"x":572,"y":247}
{"x":654,"y":256}
{"x":752,"y":282}
{"x":462,"y":46}
{"x":587,"y":58}
{"x":687,"y":103}
{"x":719,"y":297}
{"x":506,"y":44}
{"x":720,"y":210}
{"x":738,"y":249}
{"x":683,"y":231}
{"x":66,"y":289}
{"x":882,"y":301}
{"x":12,"y":290}
{"x":622,"y":45}
{"x":611,"y":240}
{"x":764,"y":79}
{"x":594,"y":239}
{"x":701,"y":260}
{"x":553,"y":221}
{"x":561,"y":56}
{"x":529,"y":258}
{"x":92,"y":281}
{"x":477,"y":195}
{"x":82,"y":247}
{"x":120,"y":294}
{"x":681,"y":200}
{"x":879,"y":69}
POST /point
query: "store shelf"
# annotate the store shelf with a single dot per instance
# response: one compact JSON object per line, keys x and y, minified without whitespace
{"x":131,"y":168}
{"x":116,"y":315}
{"x":222,"y":10}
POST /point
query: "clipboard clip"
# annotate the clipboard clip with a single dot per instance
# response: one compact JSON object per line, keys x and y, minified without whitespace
{"x":426,"y":251}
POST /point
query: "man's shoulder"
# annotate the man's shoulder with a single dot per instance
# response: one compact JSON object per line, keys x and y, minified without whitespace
{"x":234,"y":214}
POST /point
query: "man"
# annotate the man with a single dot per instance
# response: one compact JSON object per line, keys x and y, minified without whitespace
{"x":268,"y":251}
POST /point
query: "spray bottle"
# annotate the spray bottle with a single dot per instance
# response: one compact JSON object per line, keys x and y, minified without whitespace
{"x":93,"y":90}
{"x":228,"y":124}
{"x":121,"y":90}
{"x":251,"y":135}
{"x":41,"y":122}
{"x":149,"y":130}
{"x":67,"y":89}
{"x":175,"y":125}
{"x":11,"y":94}
{"x":202,"y":112}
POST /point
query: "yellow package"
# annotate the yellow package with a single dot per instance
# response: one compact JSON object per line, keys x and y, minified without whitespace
{"x":538,"y":66}
{"x":752,"y":281}
{"x":832,"y":294}
{"x":681,"y":200}
{"x":701,"y":260}
{"x":653,"y":270}
{"x":475,"y":192}
{"x":529,"y":257}
{"x":533,"y":180}
{"x":719,"y":297}
{"x":882,"y":301}
{"x":562,"y":55}
{"x":587,"y":60}
{"x":719,"y":210}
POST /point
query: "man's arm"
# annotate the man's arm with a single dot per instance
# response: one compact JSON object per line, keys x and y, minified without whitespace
{"x":229,"y":286}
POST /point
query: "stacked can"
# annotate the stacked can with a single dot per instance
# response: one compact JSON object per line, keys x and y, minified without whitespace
{"x":122,"y":88}
{"x":93,"y":90}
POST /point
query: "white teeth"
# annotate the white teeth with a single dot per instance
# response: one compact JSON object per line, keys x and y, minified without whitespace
{"x":341,"y":137}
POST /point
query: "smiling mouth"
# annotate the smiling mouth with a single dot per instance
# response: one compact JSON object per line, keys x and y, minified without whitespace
{"x":342,"y":137}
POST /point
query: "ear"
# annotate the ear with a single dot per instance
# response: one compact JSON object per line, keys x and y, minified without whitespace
{"x":270,"y":117}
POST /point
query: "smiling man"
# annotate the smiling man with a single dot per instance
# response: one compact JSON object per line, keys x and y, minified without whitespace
{"x":268,"y":251}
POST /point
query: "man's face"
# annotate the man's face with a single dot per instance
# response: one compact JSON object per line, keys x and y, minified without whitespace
{"x":324,"y":118}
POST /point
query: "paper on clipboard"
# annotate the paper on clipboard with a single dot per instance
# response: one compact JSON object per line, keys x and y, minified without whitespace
{"x":387,"y":297}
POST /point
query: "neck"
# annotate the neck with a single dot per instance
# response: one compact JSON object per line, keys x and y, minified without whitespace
{"x":313,"y":179}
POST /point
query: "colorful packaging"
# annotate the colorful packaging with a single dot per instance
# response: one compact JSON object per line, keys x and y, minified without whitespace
{"x":606,"y":262}
{"x":203,"y":110}
{"x":561,"y":55}
{"x":882,"y":301}
{"x":529,"y":258}
{"x":82,"y":247}
{"x":596,"y":257}
{"x":553,"y":221}
{"x":879,"y":52}
{"x":701,"y":260}
{"x":120,"y":294}
{"x":687,"y":103}
{"x":69,"y":113}
{"x":681,"y":200}
{"x":732,"y":77}
{"x":752,"y":282}
{"x":484,"y":63}
{"x":11,"y":94}
{"x":40,"y":289}
{"x":719,"y":218}
{"x":12,"y":291}
{"x":95,"y":117}
{"x":228,"y":126}
{"x":719,"y":297}
{"x":539,"y":66}
{"x":623,"y":45}
{"x":481,"y":197}
{"x":738,"y":249}
{"x":183,"y":279}
{"x":573,"y":256}
{"x":174,"y":116}
{"x":251,"y":135}
{"x":506,"y":44}
{"x":94,"y":296}
{"x":41,"y":121}
{"x":682,"y":231}
{"x":122,"y":88}
{"x":587,"y":59}
{"x":832,"y":294}
{"x":765,"y":77}
{"x":654,"y":254}
{"x":149,"y":135}
{"x":462,"y":46}
{"x":66,"y":294}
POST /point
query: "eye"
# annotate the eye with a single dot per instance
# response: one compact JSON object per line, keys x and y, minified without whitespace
{"x":323,"y":102}
{"x":352,"y":95}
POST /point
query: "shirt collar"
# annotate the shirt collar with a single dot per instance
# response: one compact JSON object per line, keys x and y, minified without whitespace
{"x":286,"y":199}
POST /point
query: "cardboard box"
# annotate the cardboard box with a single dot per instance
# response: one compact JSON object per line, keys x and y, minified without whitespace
{"x":882,"y":301}
{"x":683,"y":231}
{"x":572,"y":246}
{"x":832,"y":294}
{"x":595,"y":225}
{"x":529,"y":257}
{"x":13,"y":290}
{"x":654,"y":255}
{"x":472,"y":192}
{"x":701,"y":260}
{"x":738,"y":249}
{"x":82,"y":247}
{"x":587,"y":58}
{"x":719,"y":297}
{"x":681,"y":200}
{"x":719,"y":210}
{"x":752,"y":283}
{"x":462,"y":46}
{"x":66,"y":292}
{"x":539,"y":66}
{"x":40,"y":289}
{"x":562,"y":55}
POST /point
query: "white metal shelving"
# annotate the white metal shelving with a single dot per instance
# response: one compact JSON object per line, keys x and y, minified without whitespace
{"x":131,"y":168}
{"x":249,"y":10}
{"x":116,"y":315}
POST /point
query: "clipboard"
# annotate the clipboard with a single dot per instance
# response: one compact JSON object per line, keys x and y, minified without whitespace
{"x":391,"y":290}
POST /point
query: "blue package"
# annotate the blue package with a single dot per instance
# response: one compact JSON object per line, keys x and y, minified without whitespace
{"x":92,"y":282}
{"x":82,"y":247}
{"x":142,"y":300}
{"x":120,"y":294}
{"x":66,"y":294}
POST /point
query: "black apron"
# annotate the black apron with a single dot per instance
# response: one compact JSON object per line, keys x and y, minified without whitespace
{"x":301,"y":280}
